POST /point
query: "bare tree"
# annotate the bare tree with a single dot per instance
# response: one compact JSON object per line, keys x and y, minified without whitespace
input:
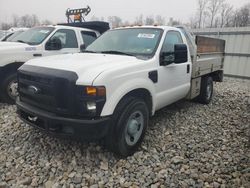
{"x":16,"y":20}
{"x":94,"y":18}
{"x":126,"y":23}
{"x":245,"y":16}
{"x":5,"y":26}
{"x":115,"y":21}
{"x":46,"y":22}
{"x":201,"y":8}
{"x":149,"y":20}
{"x":29,"y":21}
{"x":225,"y":14}
{"x":242,"y":16}
{"x":160,"y":20}
{"x":139,"y":20}
{"x":193,"y":22}
{"x":173,"y":22}
{"x":213,"y":9}
{"x":34,"y":20}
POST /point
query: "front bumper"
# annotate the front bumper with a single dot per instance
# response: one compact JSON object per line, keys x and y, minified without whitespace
{"x":63,"y":126}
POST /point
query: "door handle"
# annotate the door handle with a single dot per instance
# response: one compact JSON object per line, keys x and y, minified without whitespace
{"x":37,"y":55}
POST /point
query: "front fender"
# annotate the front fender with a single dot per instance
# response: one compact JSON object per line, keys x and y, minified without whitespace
{"x":115,"y":94}
{"x":18,"y":55}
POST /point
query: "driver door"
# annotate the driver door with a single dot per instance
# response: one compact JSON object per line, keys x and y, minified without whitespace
{"x":173,"y":79}
{"x":68,"y":40}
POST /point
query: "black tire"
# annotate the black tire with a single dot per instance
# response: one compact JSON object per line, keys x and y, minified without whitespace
{"x":119,"y":140}
{"x":6,"y":90}
{"x":206,"y":93}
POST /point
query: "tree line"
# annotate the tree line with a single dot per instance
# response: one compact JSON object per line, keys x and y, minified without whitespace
{"x":209,"y":13}
{"x":219,"y":13}
{"x":24,"y":21}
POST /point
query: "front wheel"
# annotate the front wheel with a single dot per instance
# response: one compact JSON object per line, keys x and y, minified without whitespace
{"x":206,"y":92}
{"x":129,"y":126}
{"x":9,"y":89}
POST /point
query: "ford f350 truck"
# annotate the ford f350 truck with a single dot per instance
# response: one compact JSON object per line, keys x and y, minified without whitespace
{"x":111,"y":89}
{"x":39,"y":42}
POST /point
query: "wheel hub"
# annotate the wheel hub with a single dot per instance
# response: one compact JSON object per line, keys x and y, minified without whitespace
{"x":209,"y":91}
{"x":12,"y":89}
{"x":134,"y":128}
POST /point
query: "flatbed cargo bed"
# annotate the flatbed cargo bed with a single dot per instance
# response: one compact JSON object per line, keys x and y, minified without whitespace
{"x":209,"y":56}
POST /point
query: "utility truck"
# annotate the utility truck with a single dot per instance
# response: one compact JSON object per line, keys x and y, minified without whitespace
{"x":39,"y":42}
{"x":42,"y":41}
{"x":110,"y":90}
{"x":12,"y":33}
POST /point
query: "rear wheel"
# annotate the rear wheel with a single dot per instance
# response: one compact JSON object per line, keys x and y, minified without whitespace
{"x":9,"y":88}
{"x":129,"y":126}
{"x":206,"y":93}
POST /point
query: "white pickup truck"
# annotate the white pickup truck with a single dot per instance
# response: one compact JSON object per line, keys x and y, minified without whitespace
{"x":111,"y":89}
{"x":42,"y":41}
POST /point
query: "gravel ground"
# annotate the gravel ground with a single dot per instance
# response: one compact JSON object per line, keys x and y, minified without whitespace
{"x":187,"y":145}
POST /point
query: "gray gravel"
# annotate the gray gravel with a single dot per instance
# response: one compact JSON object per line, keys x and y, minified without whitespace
{"x":187,"y":145}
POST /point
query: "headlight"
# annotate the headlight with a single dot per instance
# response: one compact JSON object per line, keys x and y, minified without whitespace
{"x":91,"y":106}
{"x":90,"y":100}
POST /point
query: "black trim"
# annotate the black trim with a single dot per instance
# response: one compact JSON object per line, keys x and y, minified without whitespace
{"x":237,"y":76}
{"x":57,"y":89}
{"x":83,"y":98}
{"x":37,"y":55}
{"x":1,"y":74}
{"x":222,"y":33}
{"x":95,"y":25}
{"x":188,"y":69}
{"x":238,"y":54}
{"x":153,"y":75}
{"x":63,"y":126}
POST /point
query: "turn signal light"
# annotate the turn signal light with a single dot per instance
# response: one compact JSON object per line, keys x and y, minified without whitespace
{"x":91,"y":91}
{"x":95,"y":91}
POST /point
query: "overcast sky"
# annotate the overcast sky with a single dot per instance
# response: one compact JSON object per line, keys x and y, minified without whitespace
{"x":54,"y":10}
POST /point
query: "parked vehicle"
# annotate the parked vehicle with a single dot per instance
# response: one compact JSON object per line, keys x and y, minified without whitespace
{"x":39,"y":42}
{"x":110,"y":90}
{"x":12,"y":33}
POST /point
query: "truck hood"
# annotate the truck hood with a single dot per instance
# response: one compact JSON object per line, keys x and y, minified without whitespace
{"x":4,"y":45}
{"x":86,"y":65}
{"x":15,"y":52}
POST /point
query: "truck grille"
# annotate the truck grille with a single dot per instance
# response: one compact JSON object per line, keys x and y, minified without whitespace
{"x":50,"y":90}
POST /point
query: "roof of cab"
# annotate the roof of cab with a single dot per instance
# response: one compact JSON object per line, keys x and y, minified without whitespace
{"x":150,"y":27}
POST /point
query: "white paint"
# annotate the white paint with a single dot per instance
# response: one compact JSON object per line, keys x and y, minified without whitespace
{"x":11,"y":52}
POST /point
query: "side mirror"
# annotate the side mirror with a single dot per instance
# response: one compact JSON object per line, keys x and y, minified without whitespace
{"x":178,"y":56}
{"x":82,"y":47}
{"x":54,"y":44}
{"x":181,"y":53}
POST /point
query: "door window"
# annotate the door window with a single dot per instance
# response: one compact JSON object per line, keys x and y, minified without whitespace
{"x":88,"y":37}
{"x":172,"y":38}
{"x":67,"y":37}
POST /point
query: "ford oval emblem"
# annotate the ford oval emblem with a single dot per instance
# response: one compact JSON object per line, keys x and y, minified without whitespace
{"x":33,"y":89}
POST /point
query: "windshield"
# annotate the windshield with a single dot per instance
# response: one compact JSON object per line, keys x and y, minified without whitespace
{"x":133,"y":41}
{"x":14,"y":35}
{"x":34,"y":36}
{"x":1,"y":34}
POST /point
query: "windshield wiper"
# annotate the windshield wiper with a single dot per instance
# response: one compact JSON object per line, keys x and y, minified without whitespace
{"x":21,"y":41}
{"x":116,"y":52}
{"x":89,"y":51}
